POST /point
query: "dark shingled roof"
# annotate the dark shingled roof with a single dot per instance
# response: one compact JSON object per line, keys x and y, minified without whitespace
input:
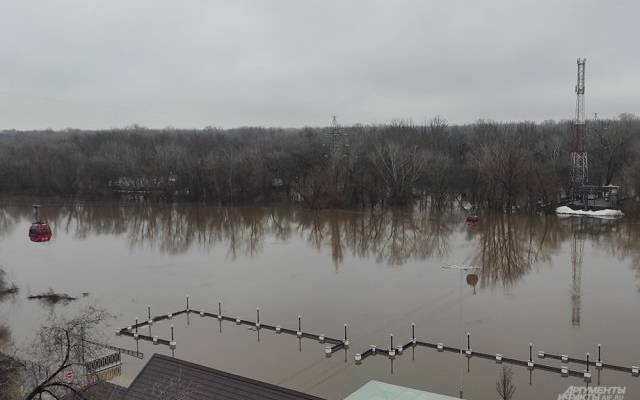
{"x":99,"y":391}
{"x":172,"y":379}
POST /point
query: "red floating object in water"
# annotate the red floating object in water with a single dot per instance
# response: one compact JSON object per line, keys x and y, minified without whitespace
{"x":472,"y":280}
{"x":40,"y":231}
{"x":473,"y":220}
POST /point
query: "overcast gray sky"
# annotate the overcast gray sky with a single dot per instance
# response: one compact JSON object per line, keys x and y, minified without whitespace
{"x":112,"y":63}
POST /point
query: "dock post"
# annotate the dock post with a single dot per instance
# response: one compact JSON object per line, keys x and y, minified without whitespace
{"x":587,"y":373}
{"x":392,"y":351}
{"x":346,"y":340}
{"x":258,"y":317}
{"x":413,"y":333}
{"x":172,"y":343}
{"x":530,"y":364}
{"x":220,"y":310}
{"x":187,"y":303}
{"x":599,"y":362}
{"x":150,"y":321}
{"x":299,"y":332}
{"x":136,"y":325}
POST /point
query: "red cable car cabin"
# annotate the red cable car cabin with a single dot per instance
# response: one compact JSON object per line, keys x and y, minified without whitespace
{"x":40,"y":231}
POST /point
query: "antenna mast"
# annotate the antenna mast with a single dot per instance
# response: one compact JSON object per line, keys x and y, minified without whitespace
{"x":579,"y":160}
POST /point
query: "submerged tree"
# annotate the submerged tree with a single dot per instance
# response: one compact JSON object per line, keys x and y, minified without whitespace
{"x":6,"y":288}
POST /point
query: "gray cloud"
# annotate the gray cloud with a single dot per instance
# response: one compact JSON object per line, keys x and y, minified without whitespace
{"x":100,"y":64}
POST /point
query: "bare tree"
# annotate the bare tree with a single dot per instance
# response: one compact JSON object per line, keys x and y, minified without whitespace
{"x":611,"y":143}
{"x":9,"y":367}
{"x":399,"y":168}
{"x":57,"y":348}
{"x":504,"y":385}
{"x":503,"y":165}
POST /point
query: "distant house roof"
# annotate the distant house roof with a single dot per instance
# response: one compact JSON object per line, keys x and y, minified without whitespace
{"x":99,"y":391}
{"x":375,"y":390}
{"x":169,"y":378}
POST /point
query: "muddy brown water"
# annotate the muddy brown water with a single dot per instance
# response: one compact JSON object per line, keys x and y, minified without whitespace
{"x":565,"y":284}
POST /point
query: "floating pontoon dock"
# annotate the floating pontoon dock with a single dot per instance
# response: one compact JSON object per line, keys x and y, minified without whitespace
{"x":132,"y":330}
{"x":392,"y":351}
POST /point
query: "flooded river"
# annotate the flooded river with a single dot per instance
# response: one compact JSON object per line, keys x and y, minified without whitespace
{"x":564,"y":284}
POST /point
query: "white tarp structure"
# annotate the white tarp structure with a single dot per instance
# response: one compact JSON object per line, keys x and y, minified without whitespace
{"x":564,"y":210}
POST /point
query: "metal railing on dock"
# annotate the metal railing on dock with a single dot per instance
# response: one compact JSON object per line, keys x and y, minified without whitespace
{"x":334,"y":344}
{"x":132,"y":353}
{"x":132,"y":330}
{"x":393,"y":351}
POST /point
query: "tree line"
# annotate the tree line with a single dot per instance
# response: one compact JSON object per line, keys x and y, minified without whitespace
{"x":493,"y":165}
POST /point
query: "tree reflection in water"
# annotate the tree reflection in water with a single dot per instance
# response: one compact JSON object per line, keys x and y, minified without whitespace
{"x":393,"y":236}
{"x":7,"y":221}
{"x":507,"y":247}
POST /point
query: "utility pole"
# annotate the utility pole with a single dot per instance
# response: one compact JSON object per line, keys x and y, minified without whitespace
{"x":337,"y":140}
{"x":337,"y":150}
